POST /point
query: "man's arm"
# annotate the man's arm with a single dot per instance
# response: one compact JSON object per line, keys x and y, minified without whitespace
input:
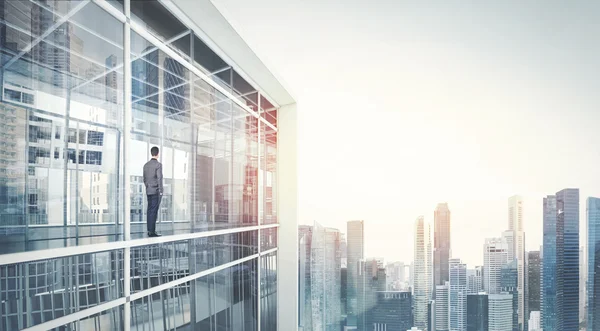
{"x":159,"y":177}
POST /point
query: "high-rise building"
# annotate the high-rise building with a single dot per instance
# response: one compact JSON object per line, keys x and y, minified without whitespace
{"x":393,"y":311}
{"x":395,"y":276}
{"x":371,"y":279}
{"x":534,"y":321}
{"x":515,"y":224}
{"x":442,"y":309}
{"x":508,"y":284}
{"x":475,"y":280}
{"x":582,"y":284}
{"x":549,"y":280}
{"x":422,"y":272}
{"x":477,"y":312}
{"x":593,"y":262}
{"x":320,"y":282}
{"x":441,"y":247}
{"x":431,"y":315}
{"x":500,"y":312}
{"x":495,"y":255}
{"x":458,"y":295}
{"x":356,"y":253}
{"x":567,"y":259}
{"x":533,"y":282}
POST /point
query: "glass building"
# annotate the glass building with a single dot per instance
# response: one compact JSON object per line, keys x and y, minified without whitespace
{"x":477,"y":312}
{"x":593,"y":259}
{"x":548,"y":292}
{"x":88,"y":87}
{"x":567,"y":259}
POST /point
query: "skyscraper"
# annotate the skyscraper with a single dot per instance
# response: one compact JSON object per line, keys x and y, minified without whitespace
{"x":508,"y":284}
{"x":475,"y":280}
{"x":393,"y":311}
{"x":500,"y":312}
{"x":458,"y":295}
{"x":477,"y":312}
{"x":495,"y":255}
{"x":441,"y":247}
{"x":582,"y":284}
{"x":549,"y":281}
{"x":442,"y":309}
{"x":567,"y":259}
{"x":593,"y":260}
{"x":533,"y":282}
{"x":422,"y":272}
{"x":515,"y":224}
{"x":355,"y":252}
{"x":371,"y":279}
{"x":320,"y":254}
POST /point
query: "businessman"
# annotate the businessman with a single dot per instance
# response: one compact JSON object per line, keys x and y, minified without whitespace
{"x":153,"y":180}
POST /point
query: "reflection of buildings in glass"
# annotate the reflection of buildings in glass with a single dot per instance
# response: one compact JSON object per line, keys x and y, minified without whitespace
{"x":145,"y":82}
{"x":12,"y":164}
{"x":393,"y":311}
{"x":319,"y":278}
{"x":548,"y":295}
{"x":593,"y":261}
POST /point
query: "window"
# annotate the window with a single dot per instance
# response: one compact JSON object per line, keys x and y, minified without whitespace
{"x":57,"y":133}
{"x":27,"y":98}
{"x":12,"y":95}
{"x":94,"y":157}
{"x":56,"y":153}
{"x":95,"y":138}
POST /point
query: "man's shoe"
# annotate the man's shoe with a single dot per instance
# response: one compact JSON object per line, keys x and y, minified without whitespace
{"x":154,"y":235}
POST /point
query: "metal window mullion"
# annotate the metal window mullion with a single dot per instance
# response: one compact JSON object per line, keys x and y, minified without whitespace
{"x":127,"y":118}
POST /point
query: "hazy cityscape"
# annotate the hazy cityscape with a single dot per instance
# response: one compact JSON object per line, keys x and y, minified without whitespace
{"x":340,"y":288}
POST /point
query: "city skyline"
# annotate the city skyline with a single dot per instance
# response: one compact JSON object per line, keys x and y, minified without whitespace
{"x":508,"y":98}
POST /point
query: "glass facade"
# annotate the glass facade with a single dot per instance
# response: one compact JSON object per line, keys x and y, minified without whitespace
{"x":87,"y":88}
{"x":593,"y":260}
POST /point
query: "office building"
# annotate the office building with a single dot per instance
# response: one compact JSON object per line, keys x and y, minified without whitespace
{"x":593,"y":262}
{"x":371,"y":279}
{"x":355,"y":253}
{"x":582,"y":284}
{"x":442,"y":308}
{"x":393,"y":311}
{"x":500,"y":312}
{"x":516,"y":225}
{"x":567,"y":259}
{"x":431,"y":315}
{"x":477,"y":312}
{"x":475,"y":280}
{"x":441,"y":247}
{"x":534,"y":321}
{"x":422,"y":272}
{"x":508,"y":284}
{"x":549,"y":280}
{"x":458,"y":295}
{"x":533,"y":282}
{"x":495,"y":255}
{"x":320,"y":278}
{"x":87,"y":88}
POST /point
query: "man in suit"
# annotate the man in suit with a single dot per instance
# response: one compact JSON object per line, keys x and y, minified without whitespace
{"x":153,"y":180}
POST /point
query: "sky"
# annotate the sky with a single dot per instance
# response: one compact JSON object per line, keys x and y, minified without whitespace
{"x":405,"y":104}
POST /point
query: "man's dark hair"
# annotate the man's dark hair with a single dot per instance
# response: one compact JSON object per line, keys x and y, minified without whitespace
{"x":154,"y":151}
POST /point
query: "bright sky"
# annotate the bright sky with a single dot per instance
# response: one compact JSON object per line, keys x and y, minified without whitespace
{"x":404,"y":104}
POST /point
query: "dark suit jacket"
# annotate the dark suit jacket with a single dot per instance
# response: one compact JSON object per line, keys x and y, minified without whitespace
{"x":153,"y":177}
